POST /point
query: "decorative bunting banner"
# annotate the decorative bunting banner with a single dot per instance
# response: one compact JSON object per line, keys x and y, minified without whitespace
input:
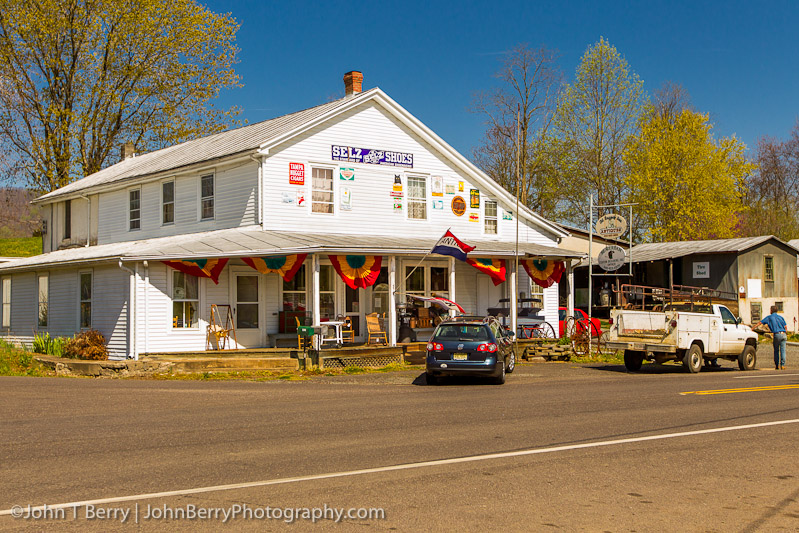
{"x":286,"y":266}
{"x":493,"y":267}
{"x":357,"y":271}
{"x":544,"y":272}
{"x":202,"y":268}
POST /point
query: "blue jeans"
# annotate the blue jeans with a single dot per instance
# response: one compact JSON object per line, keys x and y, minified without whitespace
{"x":780,"y":342}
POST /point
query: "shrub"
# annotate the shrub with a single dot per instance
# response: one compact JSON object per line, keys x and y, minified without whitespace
{"x":87,"y":345}
{"x":49,"y":345}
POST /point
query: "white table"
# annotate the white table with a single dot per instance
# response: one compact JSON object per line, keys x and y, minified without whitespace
{"x":338,"y":336}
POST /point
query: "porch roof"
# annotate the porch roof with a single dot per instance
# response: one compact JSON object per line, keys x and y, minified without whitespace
{"x":251,"y":241}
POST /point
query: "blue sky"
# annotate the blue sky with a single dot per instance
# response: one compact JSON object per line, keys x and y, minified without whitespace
{"x":739,"y":61}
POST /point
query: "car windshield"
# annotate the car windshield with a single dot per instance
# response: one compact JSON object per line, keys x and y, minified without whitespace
{"x":462,"y":332}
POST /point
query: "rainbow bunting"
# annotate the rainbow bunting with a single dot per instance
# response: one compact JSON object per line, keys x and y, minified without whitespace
{"x":493,"y":267}
{"x":357,"y":271}
{"x":544,"y":272}
{"x":202,"y":268}
{"x":284,"y":265}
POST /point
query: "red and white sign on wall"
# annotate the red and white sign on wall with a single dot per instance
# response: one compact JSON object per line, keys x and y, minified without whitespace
{"x":296,"y":174}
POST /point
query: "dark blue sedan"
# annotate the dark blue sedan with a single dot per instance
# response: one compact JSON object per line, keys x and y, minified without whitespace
{"x":469,"y":346}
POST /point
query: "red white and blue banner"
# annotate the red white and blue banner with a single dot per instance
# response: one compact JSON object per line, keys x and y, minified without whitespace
{"x":286,"y":266}
{"x":544,"y":272}
{"x":449,"y":244}
{"x":493,"y":267}
{"x":202,"y":268}
{"x":357,"y":271}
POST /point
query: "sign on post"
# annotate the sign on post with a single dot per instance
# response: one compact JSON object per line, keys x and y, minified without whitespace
{"x":611,"y":258}
{"x":611,"y":226}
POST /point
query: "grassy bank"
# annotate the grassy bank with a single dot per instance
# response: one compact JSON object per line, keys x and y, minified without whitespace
{"x":18,"y":362}
{"x":24,"y":247}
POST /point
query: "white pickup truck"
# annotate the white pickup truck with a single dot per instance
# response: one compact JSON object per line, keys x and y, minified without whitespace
{"x":676,"y":335}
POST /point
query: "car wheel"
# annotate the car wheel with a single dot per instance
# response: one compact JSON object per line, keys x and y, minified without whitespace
{"x":747,"y":359}
{"x":511,"y":362}
{"x":692,"y":361}
{"x":633,"y":360}
{"x":431,"y":379}
{"x":499,"y":380}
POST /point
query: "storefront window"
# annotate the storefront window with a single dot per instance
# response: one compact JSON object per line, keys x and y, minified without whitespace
{"x":414,"y":284}
{"x":185,"y":300}
{"x":294,"y":297}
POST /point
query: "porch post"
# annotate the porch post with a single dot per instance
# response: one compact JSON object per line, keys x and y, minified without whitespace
{"x":570,"y":296}
{"x":315,"y":298}
{"x":514,"y":295}
{"x":452,"y":279}
{"x":392,"y":300}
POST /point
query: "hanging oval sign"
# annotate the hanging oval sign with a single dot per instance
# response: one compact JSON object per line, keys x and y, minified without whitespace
{"x":611,"y":226}
{"x":611,"y":258}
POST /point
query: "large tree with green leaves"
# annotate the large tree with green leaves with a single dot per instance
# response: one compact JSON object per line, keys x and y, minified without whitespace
{"x":597,"y":117}
{"x":687,"y":184}
{"x":81,"y":77}
{"x":518,"y":115}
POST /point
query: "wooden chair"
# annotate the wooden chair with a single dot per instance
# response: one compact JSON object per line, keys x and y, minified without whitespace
{"x":347,"y":331}
{"x":299,"y":337}
{"x":424,"y":319}
{"x":373,"y":329}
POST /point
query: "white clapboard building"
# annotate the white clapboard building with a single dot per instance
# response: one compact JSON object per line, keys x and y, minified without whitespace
{"x":357,"y":181}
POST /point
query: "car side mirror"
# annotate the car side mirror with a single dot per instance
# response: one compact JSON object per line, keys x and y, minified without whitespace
{"x":739,"y":321}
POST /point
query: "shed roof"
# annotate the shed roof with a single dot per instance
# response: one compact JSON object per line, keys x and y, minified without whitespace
{"x":251,"y":241}
{"x":656,"y":251}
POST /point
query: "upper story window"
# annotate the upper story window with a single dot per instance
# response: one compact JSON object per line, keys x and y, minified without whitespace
{"x":68,"y":219}
{"x":134,"y":209}
{"x":207,"y":197}
{"x":768,"y":268}
{"x":322,"y":190}
{"x":417,"y":198}
{"x":6,"y":309}
{"x":168,"y":202}
{"x":44,"y":292}
{"x":491,"y":217}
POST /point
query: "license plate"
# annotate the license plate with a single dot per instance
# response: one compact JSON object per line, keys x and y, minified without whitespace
{"x":460,"y":356}
{"x":639,"y":346}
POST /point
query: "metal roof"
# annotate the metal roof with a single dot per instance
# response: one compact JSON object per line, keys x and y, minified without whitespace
{"x":250,"y":241}
{"x":227,"y":143}
{"x":656,"y":251}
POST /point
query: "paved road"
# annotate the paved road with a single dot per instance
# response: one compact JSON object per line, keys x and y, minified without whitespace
{"x":581,"y":448}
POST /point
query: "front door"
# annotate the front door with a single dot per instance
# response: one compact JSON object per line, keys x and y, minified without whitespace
{"x":354,"y":309}
{"x":247,"y":309}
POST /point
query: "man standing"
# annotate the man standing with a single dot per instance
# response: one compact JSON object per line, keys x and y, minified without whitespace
{"x":776,"y":325}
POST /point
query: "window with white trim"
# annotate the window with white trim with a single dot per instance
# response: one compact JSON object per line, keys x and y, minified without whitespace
{"x":134,"y":209}
{"x":294,"y":292}
{"x":185,"y":300}
{"x":44,"y":292}
{"x":6,"y":309}
{"x":490,"y":217}
{"x":327,"y":292}
{"x":207,"y":197}
{"x":417,"y":198}
{"x":322,"y":195}
{"x":246,"y":301}
{"x":85,"y":300}
{"x":427,"y":281}
{"x":68,"y":219}
{"x":168,"y":202}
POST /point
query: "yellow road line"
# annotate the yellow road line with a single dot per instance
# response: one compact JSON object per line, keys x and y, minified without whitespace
{"x":745,"y":389}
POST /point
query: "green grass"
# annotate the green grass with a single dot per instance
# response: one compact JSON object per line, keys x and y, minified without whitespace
{"x":19,"y":362}
{"x":23,"y":247}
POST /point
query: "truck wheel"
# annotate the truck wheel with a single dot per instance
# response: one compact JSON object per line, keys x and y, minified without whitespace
{"x":747,"y":359}
{"x":633,"y":360}
{"x":692,"y":361}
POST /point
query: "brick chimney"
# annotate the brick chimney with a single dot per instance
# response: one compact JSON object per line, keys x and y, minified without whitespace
{"x":126,"y":151}
{"x":352,"y":82}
